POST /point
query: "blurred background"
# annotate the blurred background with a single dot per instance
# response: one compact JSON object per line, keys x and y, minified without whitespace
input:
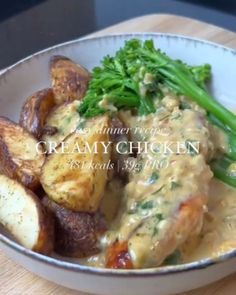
{"x":27,"y":26}
{"x":225,"y":5}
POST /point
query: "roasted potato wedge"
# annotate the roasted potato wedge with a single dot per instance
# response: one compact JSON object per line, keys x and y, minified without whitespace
{"x":62,"y":121}
{"x":69,"y":80}
{"x":24,"y":217}
{"x":35,"y":110}
{"x":19,"y":158}
{"x":76,"y":233}
{"x":76,"y":179}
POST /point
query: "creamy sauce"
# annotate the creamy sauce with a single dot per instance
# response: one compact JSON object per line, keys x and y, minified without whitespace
{"x":150,"y":214}
{"x":150,"y":218}
{"x":218,"y":234}
{"x":65,"y":119}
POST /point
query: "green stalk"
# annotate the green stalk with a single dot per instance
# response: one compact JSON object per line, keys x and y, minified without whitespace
{"x":121,"y":73}
{"x":231,"y":137}
{"x":177,"y":76}
{"x":220,"y":168}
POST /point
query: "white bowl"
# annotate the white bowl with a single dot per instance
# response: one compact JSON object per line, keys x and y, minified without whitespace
{"x":31,"y":74}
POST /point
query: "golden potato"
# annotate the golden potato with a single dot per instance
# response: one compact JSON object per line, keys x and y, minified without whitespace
{"x":62,"y":121}
{"x":35,"y":110}
{"x":69,"y":80}
{"x":75,"y":177}
{"x":19,"y":158}
{"x":76,"y":233}
{"x":22,"y":215}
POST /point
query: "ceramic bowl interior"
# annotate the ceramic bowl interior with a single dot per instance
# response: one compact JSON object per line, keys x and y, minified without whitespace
{"x":31,"y":74}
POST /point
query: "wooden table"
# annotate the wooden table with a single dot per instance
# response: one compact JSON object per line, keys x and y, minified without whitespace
{"x":15,"y":280}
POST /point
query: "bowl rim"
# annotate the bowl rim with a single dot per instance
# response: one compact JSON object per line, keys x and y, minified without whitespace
{"x":75,"y":266}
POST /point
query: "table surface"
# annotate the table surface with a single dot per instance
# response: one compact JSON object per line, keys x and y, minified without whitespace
{"x":28,"y":26}
{"x":16,"y":280}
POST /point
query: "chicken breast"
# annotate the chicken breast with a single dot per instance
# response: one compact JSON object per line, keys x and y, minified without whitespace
{"x":167,"y":193}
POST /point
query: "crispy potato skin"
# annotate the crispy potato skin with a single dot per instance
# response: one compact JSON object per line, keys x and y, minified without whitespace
{"x":21,"y":210}
{"x":18,"y":157}
{"x":75,"y":187}
{"x":69,"y":80}
{"x":76,"y":233}
{"x":46,"y":237}
{"x":35,"y":110}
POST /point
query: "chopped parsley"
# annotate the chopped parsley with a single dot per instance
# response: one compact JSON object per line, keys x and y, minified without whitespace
{"x":159,"y":216}
{"x":173,"y":259}
{"x":81,"y":125}
{"x":147,"y":205}
{"x":157,"y":191}
{"x":155,"y":231}
{"x":154,"y":177}
{"x":184,"y":105}
{"x":174,"y":185}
